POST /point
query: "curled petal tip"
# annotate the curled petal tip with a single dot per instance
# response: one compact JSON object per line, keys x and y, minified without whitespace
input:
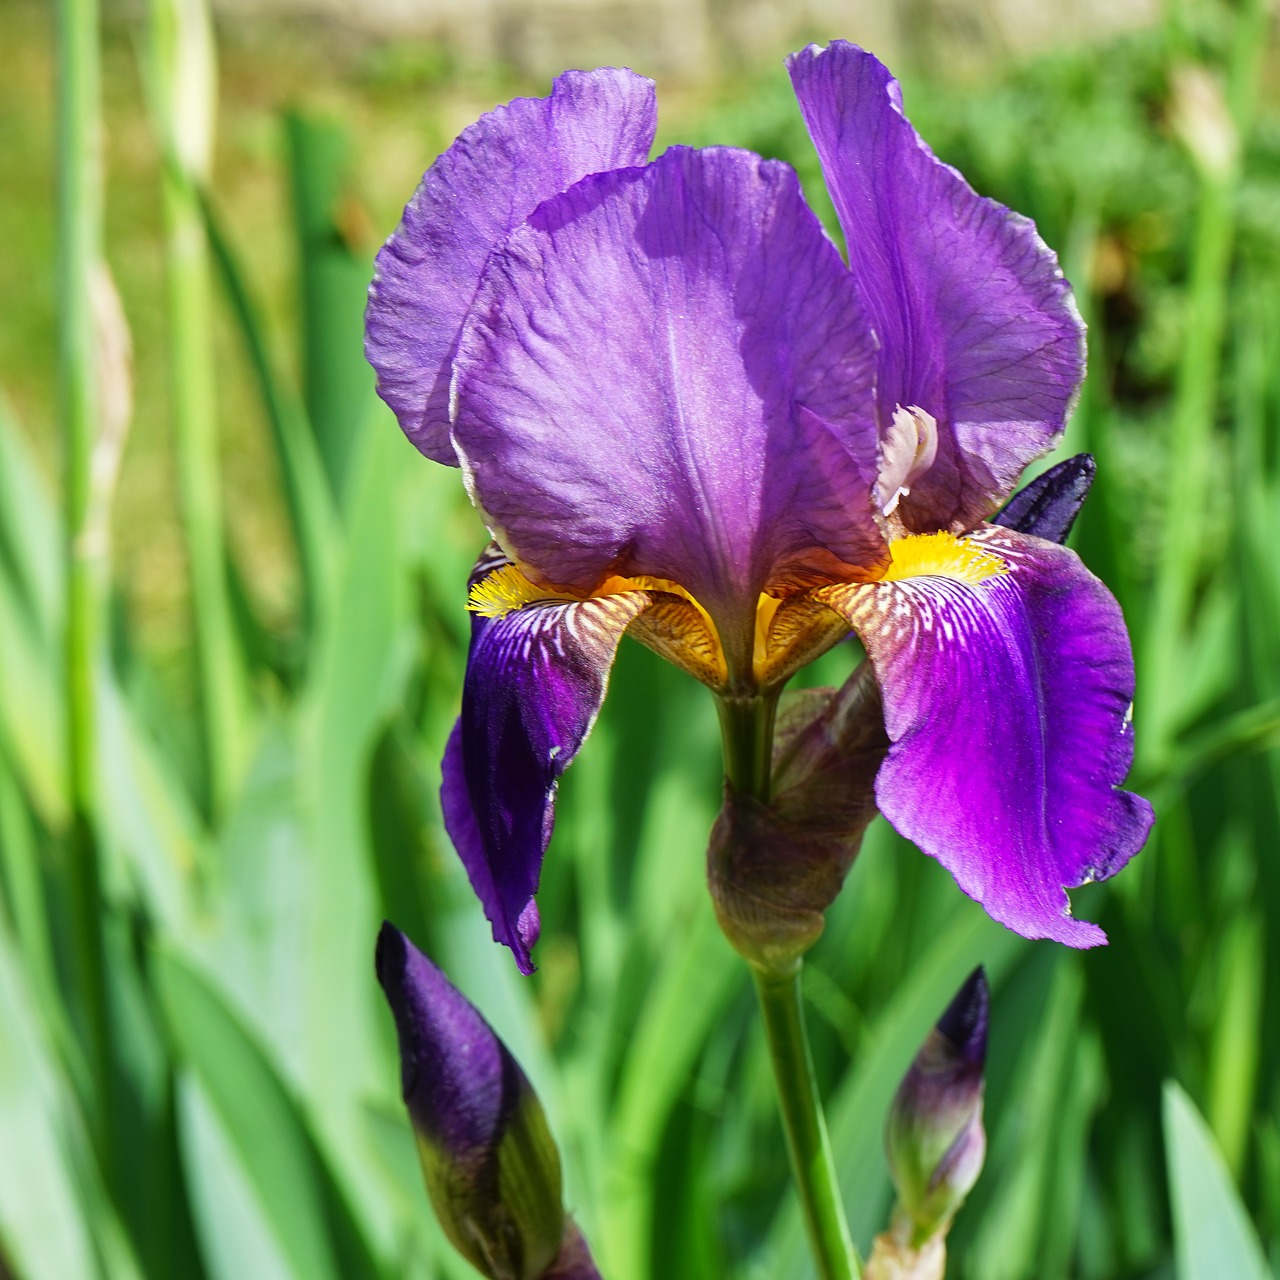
{"x":964,"y":1024}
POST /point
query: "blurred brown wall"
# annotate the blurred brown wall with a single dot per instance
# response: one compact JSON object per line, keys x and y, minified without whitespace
{"x":685,"y":37}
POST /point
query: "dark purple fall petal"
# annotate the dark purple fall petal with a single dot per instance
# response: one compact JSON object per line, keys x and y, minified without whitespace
{"x":1047,"y":507}
{"x":1007,"y":706}
{"x":534,"y":684}
{"x":491,"y":179}
{"x":976,"y":324}
{"x":667,"y":372}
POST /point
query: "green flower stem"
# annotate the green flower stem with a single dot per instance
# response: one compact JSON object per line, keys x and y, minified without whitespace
{"x":80,"y":395}
{"x":811,"y":1160}
{"x":747,"y":725}
{"x":746,"y":730}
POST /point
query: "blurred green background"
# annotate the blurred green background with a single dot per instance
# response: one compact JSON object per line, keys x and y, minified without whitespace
{"x":231,"y":643}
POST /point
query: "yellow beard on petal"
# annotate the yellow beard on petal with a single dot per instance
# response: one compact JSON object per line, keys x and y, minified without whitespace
{"x":790,"y":631}
{"x":674,"y":624}
{"x":941,"y":555}
{"x":502,"y":591}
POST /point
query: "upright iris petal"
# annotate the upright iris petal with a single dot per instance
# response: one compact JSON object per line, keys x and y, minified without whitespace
{"x":667,"y":373}
{"x":977,"y":327}
{"x":491,"y":179}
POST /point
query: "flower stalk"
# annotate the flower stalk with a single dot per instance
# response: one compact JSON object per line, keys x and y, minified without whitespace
{"x":812,"y":1163}
{"x":746,"y":731}
{"x":747,"y":727}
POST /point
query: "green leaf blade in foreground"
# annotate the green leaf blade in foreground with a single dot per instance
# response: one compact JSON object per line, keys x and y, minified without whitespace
{"x":44,"y":1226}
{"x":236,"y":1086}
{"x":1213,"y":1234}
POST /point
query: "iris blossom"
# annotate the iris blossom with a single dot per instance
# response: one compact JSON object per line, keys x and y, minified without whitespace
{"x":685,"y":417}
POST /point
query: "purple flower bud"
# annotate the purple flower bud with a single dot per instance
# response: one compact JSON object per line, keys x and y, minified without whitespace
{"x":773,"y":870}
{"x":934,"y":1136}
{"x":491,"y":1166}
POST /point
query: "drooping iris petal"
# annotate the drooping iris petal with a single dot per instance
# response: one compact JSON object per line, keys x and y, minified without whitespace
{"x":977,"y":327}
{"x":488,"y":182}
{"x":1007,"y":705}
{"x":667,"y":372}
{"x":534,"y":684}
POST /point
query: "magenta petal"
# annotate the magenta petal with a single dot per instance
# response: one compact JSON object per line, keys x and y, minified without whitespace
{"x":534,"y":684}
{"x":667,"y":372}
{"x":488,"y":182}
{"x":1007,"y":705}
{"x":976,"y":324}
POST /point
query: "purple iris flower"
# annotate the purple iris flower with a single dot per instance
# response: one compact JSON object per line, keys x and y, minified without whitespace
{"x":684,"y":416}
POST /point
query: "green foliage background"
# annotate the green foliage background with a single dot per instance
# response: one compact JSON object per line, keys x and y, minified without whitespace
{"x":197,"y":1076}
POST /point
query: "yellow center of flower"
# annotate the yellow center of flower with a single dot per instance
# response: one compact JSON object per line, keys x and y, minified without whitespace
{"x":789,"y":631}
{"x":502,"y":591}
{"x":941,"y":555}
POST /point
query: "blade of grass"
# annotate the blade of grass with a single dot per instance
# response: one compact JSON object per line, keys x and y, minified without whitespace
{"x":237,"y":1238}
{"x":24,"y":888}
{"x":357,"y":677}
{"x":30,"y":533}
{"x":312,"y":515}
{"x":44,"y":1226}
{"x":333,"y":282}
{"x":1235,"y":1045}
{"x":259,"y":1119}
{"x":182,"y":79}
{"x":689,"y":992}
{"x":1213,"y":130}
{"x":81,"y":384}
{"x":1213,"y":1233}
{"x":32,"y":722}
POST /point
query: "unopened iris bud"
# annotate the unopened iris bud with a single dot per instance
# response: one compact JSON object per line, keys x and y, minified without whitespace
{"x":774,"y":869}
{"x":934,"y":1136}
{"x":491,"y":1165}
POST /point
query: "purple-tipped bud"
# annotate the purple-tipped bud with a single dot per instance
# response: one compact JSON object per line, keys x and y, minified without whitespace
{"x":934,"y":1136}
{"x":491,"y":1166}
